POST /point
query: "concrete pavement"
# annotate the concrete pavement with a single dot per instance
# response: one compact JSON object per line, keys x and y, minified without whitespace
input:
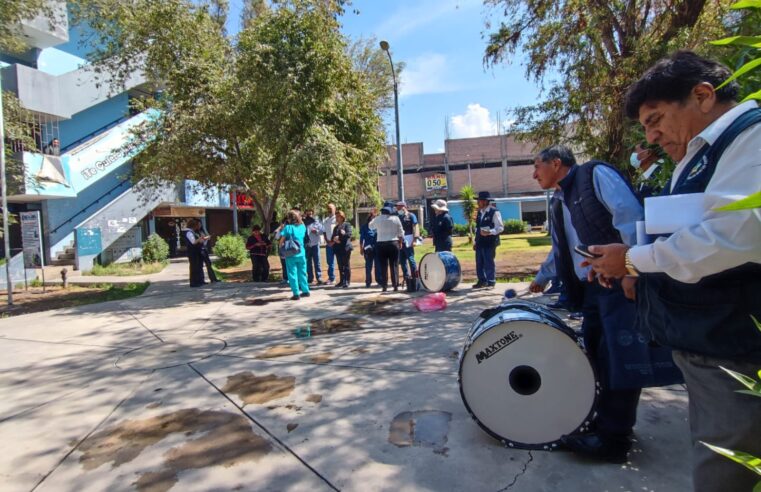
{"x":208,"y":389}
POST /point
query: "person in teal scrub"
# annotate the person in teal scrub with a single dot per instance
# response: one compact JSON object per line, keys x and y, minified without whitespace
{"x":296,"y":265}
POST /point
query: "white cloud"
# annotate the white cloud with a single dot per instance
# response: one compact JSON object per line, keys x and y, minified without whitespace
{"x":414,"y":15}
{"x":427,"y":74}
{"x":475,"y":122}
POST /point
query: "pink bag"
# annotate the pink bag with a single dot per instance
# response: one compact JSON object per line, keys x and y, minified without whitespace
{"x":431,"y":302}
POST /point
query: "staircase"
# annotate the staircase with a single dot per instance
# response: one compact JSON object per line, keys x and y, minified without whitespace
{"x":67,"y":257}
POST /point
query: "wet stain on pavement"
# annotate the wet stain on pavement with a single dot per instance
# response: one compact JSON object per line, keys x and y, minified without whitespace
{"x":359,"y":350}
{"x":291,"y":427}
{"x":323,"y":358}
{"x":264,"y":302}
{"x":224,"y":439}
{"x":329,"y":326}
{"x":424,"y":428}
{"x":281,"y":351}
{"x":379,"y":305}
{"x":314,"y":398}
{"x":259,"y":389}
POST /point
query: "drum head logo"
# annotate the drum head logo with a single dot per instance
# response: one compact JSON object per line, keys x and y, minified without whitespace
{"x":497,"y":346}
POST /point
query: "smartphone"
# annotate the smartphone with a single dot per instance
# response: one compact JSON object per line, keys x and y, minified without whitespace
{"x":583,"y":250}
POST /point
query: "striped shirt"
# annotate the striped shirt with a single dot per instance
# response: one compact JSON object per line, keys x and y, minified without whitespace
{"x":389,"y":228}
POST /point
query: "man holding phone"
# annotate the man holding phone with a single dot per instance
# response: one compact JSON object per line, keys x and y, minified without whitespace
{"x":594,"y":204}
{"x":489,"y":223}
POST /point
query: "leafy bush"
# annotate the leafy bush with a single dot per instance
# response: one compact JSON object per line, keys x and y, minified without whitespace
{"x":515,"y":226}
{"x":155,"y":249}
{"x":230,"y":251}
{"x":460,"y":230}
{"x":244,"y":232}
{"x":423,"y":232}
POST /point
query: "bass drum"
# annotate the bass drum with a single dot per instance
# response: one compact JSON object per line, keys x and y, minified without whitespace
{"x":525,"y":378}
{"x":439,"y":272}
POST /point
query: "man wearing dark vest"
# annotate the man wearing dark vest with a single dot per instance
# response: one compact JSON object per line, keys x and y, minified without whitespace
{"x":698,"y":287}
{"x":594,"y":203}
{"x":488,"y":228}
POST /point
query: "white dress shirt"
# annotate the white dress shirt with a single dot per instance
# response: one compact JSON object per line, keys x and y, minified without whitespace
{"x":389,"y":227}
{"x":328,"y":225}
{"x":722,"y":240}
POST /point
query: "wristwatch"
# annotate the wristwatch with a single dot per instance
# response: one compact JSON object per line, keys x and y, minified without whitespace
{"x":630,"y":268}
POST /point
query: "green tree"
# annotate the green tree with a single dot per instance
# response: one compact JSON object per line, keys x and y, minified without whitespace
{"x":469,"y":208}
{"x":585,"y":54}
{"x":279,"y":112}
{"x":12,"y":12}
{"x":745,"y":44}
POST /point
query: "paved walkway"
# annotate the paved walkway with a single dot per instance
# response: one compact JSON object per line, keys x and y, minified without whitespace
{"x":208,"y":389}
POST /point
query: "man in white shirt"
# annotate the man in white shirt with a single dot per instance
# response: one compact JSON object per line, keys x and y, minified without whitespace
{"x":389,"y":240}
{"x":328,"y":224}
{"x":698,"y":288}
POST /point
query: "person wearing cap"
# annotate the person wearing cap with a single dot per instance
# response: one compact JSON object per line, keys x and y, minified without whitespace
{"x":441,"y":226}
{"x":389,"y":239}
{"x":411,"y":232}
{"x":489,"y":223}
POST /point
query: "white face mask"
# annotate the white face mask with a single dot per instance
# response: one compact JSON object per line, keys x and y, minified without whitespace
{"x":634,"y":160}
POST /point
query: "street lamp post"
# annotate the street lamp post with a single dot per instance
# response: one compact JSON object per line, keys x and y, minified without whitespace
{"x":4,"y":191}
{"x":399,"y":169}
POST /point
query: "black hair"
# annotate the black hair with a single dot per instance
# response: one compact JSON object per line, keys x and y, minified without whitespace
{"x":561,"y":152}
{"x":256,"y":227}
{"x":672,"y":79}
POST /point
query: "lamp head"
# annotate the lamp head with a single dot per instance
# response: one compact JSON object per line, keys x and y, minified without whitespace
{"x":384,"y":45}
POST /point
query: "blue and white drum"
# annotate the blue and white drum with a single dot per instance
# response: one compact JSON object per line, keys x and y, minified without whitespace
{"x":525,"y":377}
{"x":439,"y":272}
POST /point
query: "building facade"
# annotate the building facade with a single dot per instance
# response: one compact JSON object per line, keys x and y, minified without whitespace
{"x":72,"y":175}
{"x":499,"y":164}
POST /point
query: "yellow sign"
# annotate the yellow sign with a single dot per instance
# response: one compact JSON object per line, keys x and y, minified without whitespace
{"x":436,"y":182}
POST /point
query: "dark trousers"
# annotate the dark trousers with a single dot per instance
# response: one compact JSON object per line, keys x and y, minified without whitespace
{"x":372,"y":263}
{"x":343,"y":258}
{"x":486,"y":270}
{"x":407,"y":256}
{"x":207,"y":262}
{"x":616,"y":409}
{"x":443,"y":244}
{"x":314,"y":271}
{"x":260,"y":268}
{"x":388,"y":254}
{"x":196,"y":268}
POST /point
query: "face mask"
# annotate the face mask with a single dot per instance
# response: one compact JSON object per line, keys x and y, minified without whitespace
{"x":634,"y":160}
{"x":400,"y":212}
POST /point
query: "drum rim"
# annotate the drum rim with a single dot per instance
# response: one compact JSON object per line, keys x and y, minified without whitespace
{"x":545,"y":446}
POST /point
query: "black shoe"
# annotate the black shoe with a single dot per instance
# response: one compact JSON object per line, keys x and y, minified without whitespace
{"x":396,"y":289}
{"x":479,"y":285}
{"x":321,"y":282}
{"x":597,"y":446}
{"x":384,"y":289}
{"x":305,"y":294}
{"x":295,"y":298}
{"x":367,"y":286}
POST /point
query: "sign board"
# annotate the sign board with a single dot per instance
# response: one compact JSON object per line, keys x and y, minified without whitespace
{"x":31,"y":239}
{"x":178,"y":211}
{"x":436,"y":182}
{"x":88,"y":242}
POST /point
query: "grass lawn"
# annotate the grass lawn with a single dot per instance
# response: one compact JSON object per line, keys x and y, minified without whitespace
{"x":126,"y":269}
{"x":518,"y":259}
{"x":55,"y":297}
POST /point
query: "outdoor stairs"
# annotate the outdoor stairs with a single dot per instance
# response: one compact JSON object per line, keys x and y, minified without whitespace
{"x":65,"y":258}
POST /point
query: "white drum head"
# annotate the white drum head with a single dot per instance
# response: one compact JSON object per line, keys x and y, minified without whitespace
{"x":433,"y":275}
{"x":527,"y":383}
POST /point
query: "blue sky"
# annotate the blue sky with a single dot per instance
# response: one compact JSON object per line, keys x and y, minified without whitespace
{"x":445,"y":79}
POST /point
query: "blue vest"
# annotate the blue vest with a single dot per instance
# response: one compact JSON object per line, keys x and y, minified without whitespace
{"x":590,"y":219}
{"x":486,"y":221}
{"x":713,"y":316}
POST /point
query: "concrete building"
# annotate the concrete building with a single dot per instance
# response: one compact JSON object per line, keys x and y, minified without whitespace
{"x":499,"y":164}
{"x":90,"y":210}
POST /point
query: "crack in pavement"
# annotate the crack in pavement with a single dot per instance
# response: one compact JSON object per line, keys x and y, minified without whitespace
{"x":519,"y":474}
{"x":262,"y":427}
